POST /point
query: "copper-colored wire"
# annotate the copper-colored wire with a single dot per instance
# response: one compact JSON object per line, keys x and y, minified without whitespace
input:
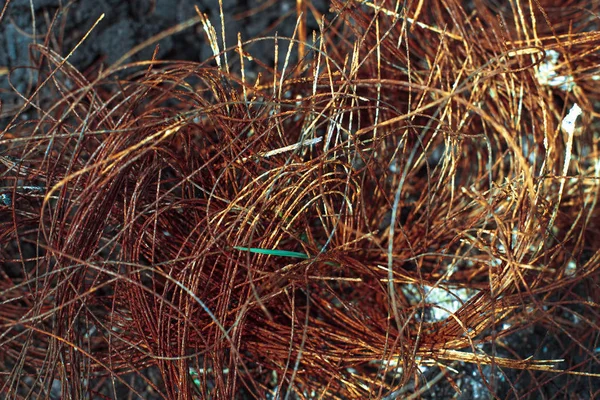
{"x":214,"y":236}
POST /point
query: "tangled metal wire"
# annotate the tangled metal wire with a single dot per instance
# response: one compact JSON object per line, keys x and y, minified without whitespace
{"x":417,"y":192}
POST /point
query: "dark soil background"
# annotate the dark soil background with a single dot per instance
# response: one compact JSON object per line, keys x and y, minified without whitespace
{"x":129,"y":23}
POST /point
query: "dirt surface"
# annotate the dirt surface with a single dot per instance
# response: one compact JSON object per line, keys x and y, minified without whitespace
{"x":127,"y":24}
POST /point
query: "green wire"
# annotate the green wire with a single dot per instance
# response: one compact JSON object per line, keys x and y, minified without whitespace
{"x":270,"y":252}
